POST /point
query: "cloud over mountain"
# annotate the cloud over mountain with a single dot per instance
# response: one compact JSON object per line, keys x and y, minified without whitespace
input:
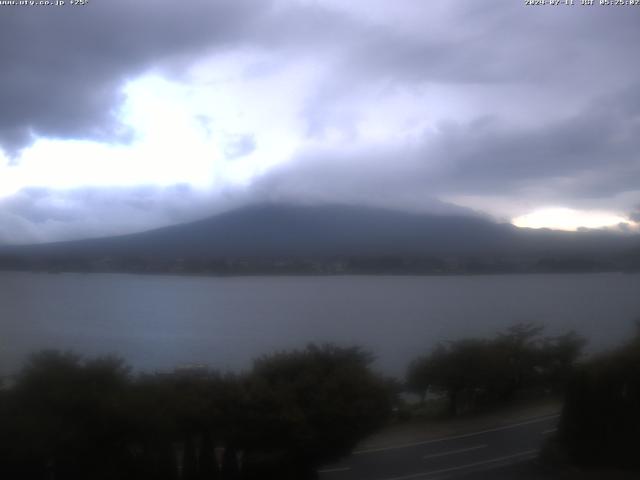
{"x":494,"y":107}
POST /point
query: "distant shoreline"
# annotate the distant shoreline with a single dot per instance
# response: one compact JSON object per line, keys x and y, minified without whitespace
{"x":328,"y":274}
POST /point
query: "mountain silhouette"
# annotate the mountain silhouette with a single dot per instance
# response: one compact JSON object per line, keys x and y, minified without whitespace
{"x":269,"y":231}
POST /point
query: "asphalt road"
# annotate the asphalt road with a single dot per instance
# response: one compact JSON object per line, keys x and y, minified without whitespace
{"x":447,"y":457}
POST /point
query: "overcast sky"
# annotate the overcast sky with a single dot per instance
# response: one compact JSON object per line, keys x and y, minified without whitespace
{"x":121,"y":116}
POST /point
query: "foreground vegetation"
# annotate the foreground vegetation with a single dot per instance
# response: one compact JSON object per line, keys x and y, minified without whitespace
{"x":474,"y":373}
{"x":600,"y":424}
{"x":600,"y":421}
{"x":69,"y":418}
{"x":65,"y":417}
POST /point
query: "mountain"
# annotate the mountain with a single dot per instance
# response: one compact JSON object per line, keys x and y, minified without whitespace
{"x":275,"y":231}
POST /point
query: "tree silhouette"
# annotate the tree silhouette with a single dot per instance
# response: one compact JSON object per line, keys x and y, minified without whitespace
{"x":473,"y":372}
{"x":69,"y":418}
{"x":312,"y":406}
{"x":600,"y":422}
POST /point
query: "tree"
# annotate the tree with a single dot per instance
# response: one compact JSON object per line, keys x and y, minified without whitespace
{"x":600,"y":423}
{"x":472,"y":372}
{"x":558,"y":359}
{"x":419,"y":377}
{"x":66,"y":417}
{"x":312,"y":406}
{"x":467,"y":371}
{"x":520,"y":357}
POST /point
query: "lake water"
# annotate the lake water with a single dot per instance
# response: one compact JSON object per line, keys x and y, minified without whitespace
{"x":158,"y":322}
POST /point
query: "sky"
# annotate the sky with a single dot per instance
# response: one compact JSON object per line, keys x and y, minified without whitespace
{"x":121,"y":116}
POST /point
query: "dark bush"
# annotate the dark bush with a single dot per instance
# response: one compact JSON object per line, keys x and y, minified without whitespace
{"x":475,"y":372}
{"x":70,"y":418}
{"x":600,"y":424}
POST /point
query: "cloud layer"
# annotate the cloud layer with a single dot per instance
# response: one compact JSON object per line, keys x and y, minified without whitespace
{"x":493,"y":106}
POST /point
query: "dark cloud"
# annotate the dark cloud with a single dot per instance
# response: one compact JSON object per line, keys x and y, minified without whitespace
{"x":595,"y":153}
{"x":500,"y":42}
{"x":62,"y":68}
{"x":379,"y":177}
{"x":603,"y":139}
{"x":560,"y":59}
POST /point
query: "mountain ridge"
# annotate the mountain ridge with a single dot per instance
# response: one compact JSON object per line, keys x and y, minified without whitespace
{"x":280,"y":231}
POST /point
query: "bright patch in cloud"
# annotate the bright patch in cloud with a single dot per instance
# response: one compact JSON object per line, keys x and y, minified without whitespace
{"x":229,"y":119}
{"x":567,"y":219}
{"x":207,"y":131}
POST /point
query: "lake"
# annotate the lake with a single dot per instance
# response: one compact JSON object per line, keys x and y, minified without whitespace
{"x":158,"y":322}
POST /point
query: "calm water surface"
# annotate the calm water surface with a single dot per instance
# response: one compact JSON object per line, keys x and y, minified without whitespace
{"x":158,"y":322}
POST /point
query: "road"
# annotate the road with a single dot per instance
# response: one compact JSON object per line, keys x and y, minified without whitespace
{"x":447,"y":457}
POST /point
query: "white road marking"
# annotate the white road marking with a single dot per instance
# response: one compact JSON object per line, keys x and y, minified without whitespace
{"x":333,"y":470}
{"x":547,"y":432}
{"x":453,"y":452}
{"x":454,"y":437}
{"x":462,"y":467}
